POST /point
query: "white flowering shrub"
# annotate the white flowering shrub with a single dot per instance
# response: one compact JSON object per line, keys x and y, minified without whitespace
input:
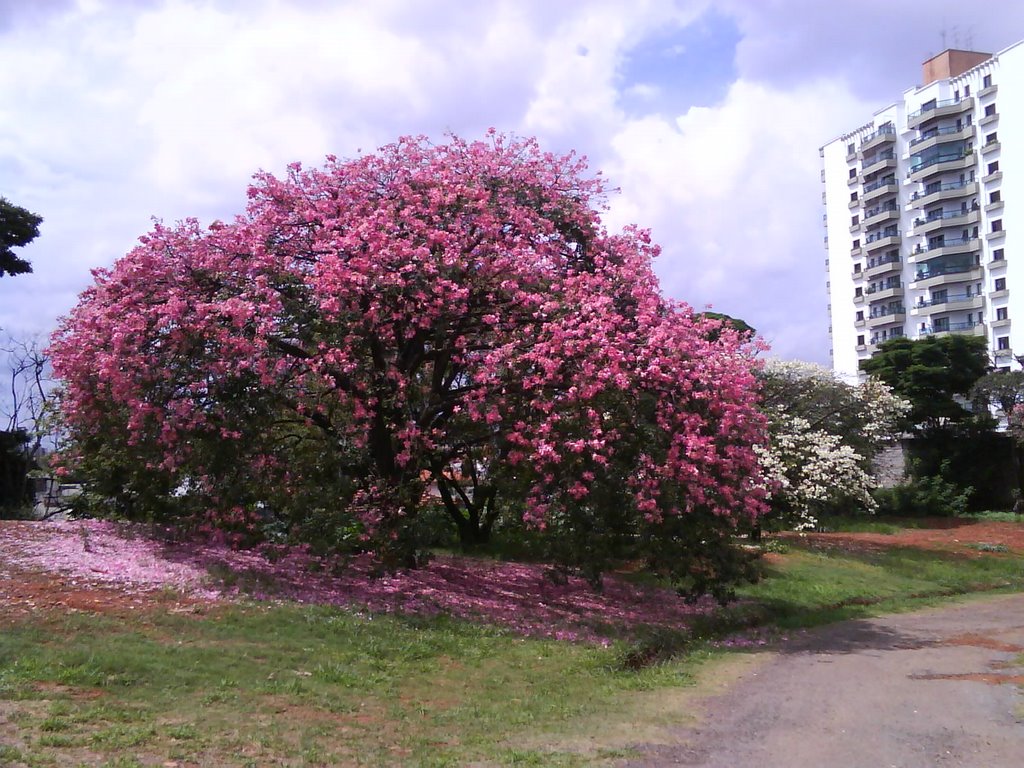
{"x":822,"y":436}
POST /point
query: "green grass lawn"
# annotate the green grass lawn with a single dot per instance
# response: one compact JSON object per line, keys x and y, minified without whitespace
{"x":890,"y":526}
{"x":809,"y":586}
{"x":298,"y":685}
{"x":294,"y":685}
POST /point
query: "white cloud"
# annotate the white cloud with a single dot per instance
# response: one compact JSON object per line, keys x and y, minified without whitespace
{"x":111,"y":112}
{"x":725,"y":190}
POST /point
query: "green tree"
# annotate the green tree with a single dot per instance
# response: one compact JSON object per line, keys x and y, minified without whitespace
{"x":935,"y":374}
{"x":1004,"y":391}
{"x":737,"y":324}
{"x":18,"y":228}
{"x":15,"y":491}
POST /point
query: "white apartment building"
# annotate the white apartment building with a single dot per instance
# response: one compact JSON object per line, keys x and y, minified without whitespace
{"x":922,"y":206}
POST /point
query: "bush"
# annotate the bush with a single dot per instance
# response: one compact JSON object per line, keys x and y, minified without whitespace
{"x":15,"y":485}
{"x":923,"y":497}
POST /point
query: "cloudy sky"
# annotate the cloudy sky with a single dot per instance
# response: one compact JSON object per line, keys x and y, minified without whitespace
{"x":707,"y":115}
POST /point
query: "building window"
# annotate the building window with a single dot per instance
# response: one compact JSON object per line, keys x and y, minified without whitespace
{"x":856,"y":268}
{"x":986,"y":81}
{"x":850,"y":149}
{"x":1002,"y":313}
{"x":856,"y":243}
{"x":853,"y":173}
{"x":860,"y":291}
{"x":993,"y":167}
{"x":967,"y":91}
{"x":995,"y":197}
{"x":860,"y":341}
{"x":1000,"y":283}
{"x":997,"y":225}
{"x":853,"y":197}
{"x":990,"y":110}
{"x":854,"y":221}
{"x":860,"y":316}
{"x":1003,"y":342}
{"x":998,"y":255}
{"x":991,"y":138}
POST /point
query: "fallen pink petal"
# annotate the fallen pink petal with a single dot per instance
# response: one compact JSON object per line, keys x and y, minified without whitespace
{"x":519,"y":597}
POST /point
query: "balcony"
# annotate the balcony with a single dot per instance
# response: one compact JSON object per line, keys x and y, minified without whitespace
{"x":878,"y":240}
{"x":886,"y":316}
{"x":968,"y":329}
{"x":988,"y":91}
{"x":883,"y":266}
{"x":894,"y":333}
{"x":941,"y":164}
{"x":930,"y":278}
{"x":945,"y":248}
{"x":935,"y":136}
{"x":989,"y":119}
{"x":951,"y":303}
{"x":933,"y":193}
{"x":877,"y":189}
{"x":858,"y":298}
{"x":856,"y":251}
{"x":854,"y":204}
{"x":883,"y":135}
{"x":887,"y":212}
{"x":989,"y":146}
{"x":893,"y":291}
{"x":884,"y":162}
{"x":938,"y":109}
{"x":939,"y":219}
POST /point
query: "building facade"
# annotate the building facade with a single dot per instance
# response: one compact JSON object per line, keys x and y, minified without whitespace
{"x":923,"y":205}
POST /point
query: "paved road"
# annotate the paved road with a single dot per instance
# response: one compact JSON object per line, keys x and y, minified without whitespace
{"x":935,"y":688}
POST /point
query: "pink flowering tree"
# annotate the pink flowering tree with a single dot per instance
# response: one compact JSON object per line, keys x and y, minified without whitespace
{"x":446,"y":321}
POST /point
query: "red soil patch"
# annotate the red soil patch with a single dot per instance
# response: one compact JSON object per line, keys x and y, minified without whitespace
{"x":978,"y":677}
{"x":980,"y":641}
{"x":947,"y":534}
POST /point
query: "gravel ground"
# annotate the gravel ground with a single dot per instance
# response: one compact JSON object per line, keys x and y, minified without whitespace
{"x":940,"y":687}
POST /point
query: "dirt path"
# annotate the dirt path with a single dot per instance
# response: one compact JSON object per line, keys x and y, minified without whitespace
{"x":934,"y":688}
{"x":963,"y":536}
